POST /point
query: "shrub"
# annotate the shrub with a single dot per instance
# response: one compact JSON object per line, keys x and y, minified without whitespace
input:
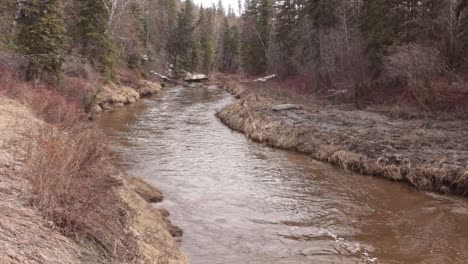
{"x":72,"y":184}
{"x":415,"y":66}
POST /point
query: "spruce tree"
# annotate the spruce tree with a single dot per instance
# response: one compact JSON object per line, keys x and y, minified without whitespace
{"x":321,"y":12}
{"x":185,"y":45}
{"x":231,"y":48}
{"x":463,"y":37}
{"x":206,"y":39}
{"x":7,"y":11}
{"x":42,"y":37}
{"x":227,"y":43}
{"x":171,"y":27}
{"x":379,"y":27}
{"x":256,"y":36}
{"x":96,"y":44}
{"x":235,"y":48}
{"x":264,"y":30}
{"x":286,"y":34}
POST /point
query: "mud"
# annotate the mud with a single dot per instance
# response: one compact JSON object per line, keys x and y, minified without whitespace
{"x":428,"y":154}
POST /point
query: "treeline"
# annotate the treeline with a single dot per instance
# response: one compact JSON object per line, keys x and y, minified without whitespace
{"x":50,"y":38}
{"x":354,"y":45}
{"x":345,"y":44}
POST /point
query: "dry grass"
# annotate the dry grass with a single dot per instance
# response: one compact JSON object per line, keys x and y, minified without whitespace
{"x":426,"y":153}
{"x":72,"y":185}
{"x":69,"y":183}
{"x":71,"y":179}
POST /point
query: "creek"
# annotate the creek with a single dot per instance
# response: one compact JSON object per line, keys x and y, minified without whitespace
{"x":242,"y":202}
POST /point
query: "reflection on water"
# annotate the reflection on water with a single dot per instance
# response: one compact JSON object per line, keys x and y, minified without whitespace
{"x":242,"y":202}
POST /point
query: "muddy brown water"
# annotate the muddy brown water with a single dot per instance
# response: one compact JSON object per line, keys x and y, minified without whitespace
{"x":242,"y":202}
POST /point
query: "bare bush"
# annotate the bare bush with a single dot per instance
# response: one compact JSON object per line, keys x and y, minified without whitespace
{"x":76,"y":66}
{"x":73,"y":186}
{"x":47,"y":104}
{"x":415,"y":66}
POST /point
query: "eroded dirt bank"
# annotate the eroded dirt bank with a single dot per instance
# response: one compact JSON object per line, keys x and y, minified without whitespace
{"x":115,"y":96}
{"x":428,"y":154}
{"x":29,"y":234}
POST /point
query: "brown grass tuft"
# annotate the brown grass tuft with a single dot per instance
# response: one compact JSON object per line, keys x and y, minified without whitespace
{"x":72,"y":184}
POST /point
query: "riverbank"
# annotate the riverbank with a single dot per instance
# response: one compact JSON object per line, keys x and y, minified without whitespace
{"x":63,"y":201}
{"x":115,"y":96}
{"x":429,"y":154}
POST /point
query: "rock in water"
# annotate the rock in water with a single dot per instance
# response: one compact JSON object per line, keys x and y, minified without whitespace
{"x":195,"y":77}
{"x":283,"y":107}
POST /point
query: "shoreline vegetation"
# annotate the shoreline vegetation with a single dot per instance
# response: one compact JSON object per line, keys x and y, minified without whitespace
{"x":427,"y":153}
{"x":63,"y":199}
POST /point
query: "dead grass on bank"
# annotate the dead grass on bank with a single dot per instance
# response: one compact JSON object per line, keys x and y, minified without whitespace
{"x":72,"y":185}
{"x":71,"y":180}
{"x":448,"y":99}
{"x":253,"y":116}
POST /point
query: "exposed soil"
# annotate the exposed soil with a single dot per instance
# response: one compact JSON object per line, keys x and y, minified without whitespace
{"x":429,"y":154}
{"x":27,"y":236}
{"x":115,"y":96}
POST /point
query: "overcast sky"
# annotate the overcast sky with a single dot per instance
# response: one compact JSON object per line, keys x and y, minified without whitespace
{"x":226,"y":3}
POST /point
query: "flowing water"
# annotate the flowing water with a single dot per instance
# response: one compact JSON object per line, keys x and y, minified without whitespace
{"x":241,"y":202}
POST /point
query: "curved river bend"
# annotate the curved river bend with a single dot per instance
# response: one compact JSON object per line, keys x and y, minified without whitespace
{"x":242,"y":202}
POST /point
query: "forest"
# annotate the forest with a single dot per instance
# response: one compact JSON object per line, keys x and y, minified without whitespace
{"x":372,"y":49}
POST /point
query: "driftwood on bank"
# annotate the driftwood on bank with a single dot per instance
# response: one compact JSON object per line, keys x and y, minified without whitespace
{"x":195,"y":77}
{"x":283,"y":107}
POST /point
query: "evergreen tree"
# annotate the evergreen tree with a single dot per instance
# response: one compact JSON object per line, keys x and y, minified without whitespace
{"x":389,"y":23}
{"x":463,"y":35}
{"x":256,"y":36}
{"x":220,"y":8}
{"x":42,"y":37}
{"x":264,"y":30}
{"x":231,"y":47}
{"x":140,"y":38}
{"x":235,"y":48}
{"x":7,"y":11}
{"x":206,"y":39}
{"x":286,"y":34}
{"x":227,"y":43}
{"x":186,"y":48}
{"x":96,"y":44}
{"x":379,"y":28}
{"x":322,"y":13}
{"x":171,"y":27}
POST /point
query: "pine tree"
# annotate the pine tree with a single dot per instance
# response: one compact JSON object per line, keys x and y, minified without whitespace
{"x":256,"y":36}
{"x":264,"y":31}
{"x":220,"y":8}
{"x":231,"y":48}
{"x":206,"y":39}
{"x":397,"y":22}
{"x":379,"y":28}
{"x":227,"y":40}
{"x":463,"y":35}
{"x":170,"y":28}
{"x":96,"y":44}
{"x":185,"y":45}
{"x":42,"y":37}
{"x":235,"y":48}
{"x":286,"y":34}
{"x":322,"y":13}
{"x":7,"y":11}
{"x":140,"y":38}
